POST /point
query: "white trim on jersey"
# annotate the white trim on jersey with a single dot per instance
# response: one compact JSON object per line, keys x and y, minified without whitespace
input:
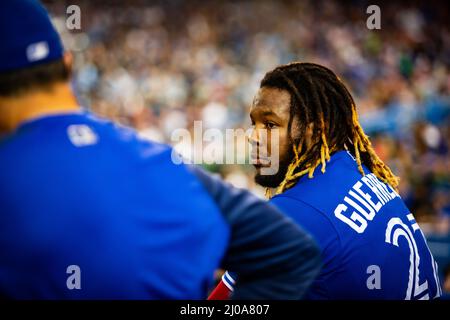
{"x":228,"y":281}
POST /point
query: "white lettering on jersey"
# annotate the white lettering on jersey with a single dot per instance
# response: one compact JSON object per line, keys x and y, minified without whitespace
{"x":396,"y":229}
{"x":365,"y":206}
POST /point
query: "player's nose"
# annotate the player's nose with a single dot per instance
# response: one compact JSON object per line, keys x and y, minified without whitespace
{"x":253,"y":137}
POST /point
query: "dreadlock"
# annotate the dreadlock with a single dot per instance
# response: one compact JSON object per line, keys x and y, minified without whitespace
{"x":318,"y":96}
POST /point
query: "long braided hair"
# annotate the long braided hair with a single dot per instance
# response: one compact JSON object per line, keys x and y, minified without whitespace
{"x":318,"y":96}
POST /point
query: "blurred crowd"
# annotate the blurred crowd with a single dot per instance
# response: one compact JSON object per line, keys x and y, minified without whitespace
{"x":159,"y":65}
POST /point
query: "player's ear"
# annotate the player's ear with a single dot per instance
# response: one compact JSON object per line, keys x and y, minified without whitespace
{"x":68,"y":61}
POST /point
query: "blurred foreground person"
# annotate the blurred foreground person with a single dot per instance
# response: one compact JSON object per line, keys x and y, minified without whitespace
{"x":90,"y":211}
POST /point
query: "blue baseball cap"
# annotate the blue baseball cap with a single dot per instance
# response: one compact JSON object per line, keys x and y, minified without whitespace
{"x":27,"y":35}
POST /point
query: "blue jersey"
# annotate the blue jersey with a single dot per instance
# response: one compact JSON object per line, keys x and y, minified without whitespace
{"x":372,"y":248}
{"x":79,"y":194}
{"x":90,"y":211}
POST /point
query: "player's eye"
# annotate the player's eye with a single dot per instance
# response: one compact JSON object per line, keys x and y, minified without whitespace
{"x":270,"y":125}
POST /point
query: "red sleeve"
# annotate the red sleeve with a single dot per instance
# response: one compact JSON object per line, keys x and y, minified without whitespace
{"x":223,"y":289}
{"x":221,"y":292}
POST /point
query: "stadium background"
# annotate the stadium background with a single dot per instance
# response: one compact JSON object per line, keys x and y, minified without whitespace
{"x":159,"y":65}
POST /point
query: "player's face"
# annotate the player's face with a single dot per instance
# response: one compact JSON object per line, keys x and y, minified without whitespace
{"x":271,"y":148}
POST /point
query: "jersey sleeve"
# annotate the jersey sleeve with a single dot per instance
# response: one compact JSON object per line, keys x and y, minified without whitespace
{"x":272,"y":256}
{"x":224,"y":289}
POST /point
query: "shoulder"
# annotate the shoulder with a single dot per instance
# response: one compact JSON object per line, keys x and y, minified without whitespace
{"x":326,"y":189}
{"x":311,"y":202}
{"x":311,"y":219}
{"x":340,"y":172}
{"x":117,"y":137}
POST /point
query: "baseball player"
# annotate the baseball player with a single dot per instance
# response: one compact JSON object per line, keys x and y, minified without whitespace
{"x":88,"y":210}
{"x":332,"y":183}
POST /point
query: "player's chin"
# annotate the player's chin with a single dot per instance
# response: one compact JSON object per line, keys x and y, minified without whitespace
{"x":263,"y":169}
{"x":266,"y":177}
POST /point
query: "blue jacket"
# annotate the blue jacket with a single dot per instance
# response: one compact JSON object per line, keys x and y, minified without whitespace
{"x":88,"y":210}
